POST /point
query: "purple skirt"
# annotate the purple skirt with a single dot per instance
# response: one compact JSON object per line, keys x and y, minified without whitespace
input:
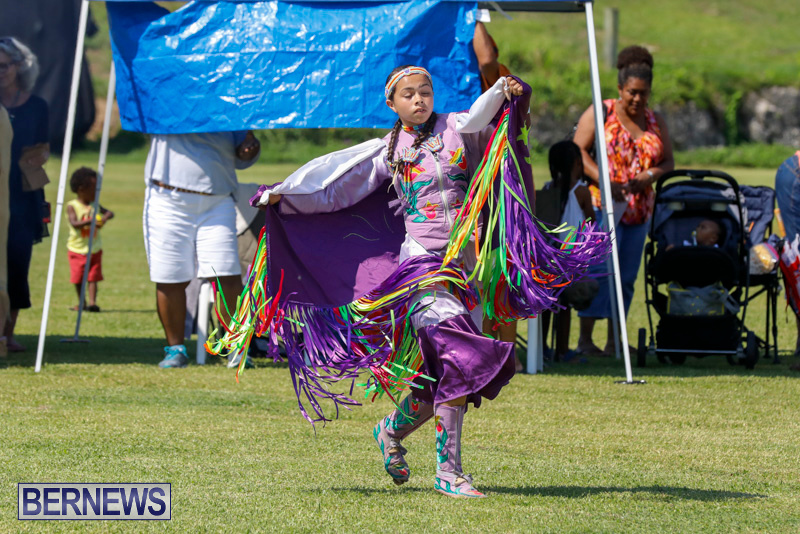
{"x":463,"y":361}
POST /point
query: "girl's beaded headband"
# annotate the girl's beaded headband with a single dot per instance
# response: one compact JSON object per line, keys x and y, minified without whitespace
{"x":408,"y":71}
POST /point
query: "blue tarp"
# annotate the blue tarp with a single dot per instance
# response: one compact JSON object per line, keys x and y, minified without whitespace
{"x":506,"y":5}
{"x":257,"y":65}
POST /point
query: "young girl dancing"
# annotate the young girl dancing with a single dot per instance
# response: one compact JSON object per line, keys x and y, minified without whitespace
{"x":406,"y":311}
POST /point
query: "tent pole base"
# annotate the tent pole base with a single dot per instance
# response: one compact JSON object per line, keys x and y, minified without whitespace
{"x":631,"y":382}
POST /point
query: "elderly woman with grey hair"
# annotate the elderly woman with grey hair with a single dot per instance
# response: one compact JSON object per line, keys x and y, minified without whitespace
{"x":28,"y":113}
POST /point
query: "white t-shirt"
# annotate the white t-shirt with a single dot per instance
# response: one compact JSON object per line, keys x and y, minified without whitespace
{"x":573,"y":214}
{"x":202,"y":162}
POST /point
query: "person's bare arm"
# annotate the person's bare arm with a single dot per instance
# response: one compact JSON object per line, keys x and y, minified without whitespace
{"x":584,"y":138}
{"x":486,"y":54}
{"x":584,"y":198}
{"x":73,"y":219}
{"x":249,"y":148}
{"x":648,"y":177}
{"x":106,"y":214}
{"x":668,"y":162}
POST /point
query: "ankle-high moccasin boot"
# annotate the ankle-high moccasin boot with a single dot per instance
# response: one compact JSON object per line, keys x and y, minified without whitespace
{"x":393,"y":428}
{"x":450,"y":479}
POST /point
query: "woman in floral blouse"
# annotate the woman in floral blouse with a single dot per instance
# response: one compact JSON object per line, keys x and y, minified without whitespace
{"x":639,"y":152}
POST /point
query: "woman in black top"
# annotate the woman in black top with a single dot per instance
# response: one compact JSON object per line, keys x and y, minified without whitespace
{"x":28,"y":113}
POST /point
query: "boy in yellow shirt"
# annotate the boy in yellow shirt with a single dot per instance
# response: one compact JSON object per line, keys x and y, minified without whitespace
{"x":80,"y":212}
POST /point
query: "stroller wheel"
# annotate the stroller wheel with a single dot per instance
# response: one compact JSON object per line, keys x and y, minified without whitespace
{"x":751,"y":351}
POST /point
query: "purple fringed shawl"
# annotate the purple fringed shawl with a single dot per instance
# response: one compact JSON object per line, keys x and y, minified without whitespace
{"x":332,"y":259}
{"x":344,"y":304}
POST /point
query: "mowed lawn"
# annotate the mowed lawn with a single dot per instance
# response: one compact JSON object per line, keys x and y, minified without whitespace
{"x":705,"y":447}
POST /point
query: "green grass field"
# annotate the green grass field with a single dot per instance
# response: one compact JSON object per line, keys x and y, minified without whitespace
{"x":701,"y":448}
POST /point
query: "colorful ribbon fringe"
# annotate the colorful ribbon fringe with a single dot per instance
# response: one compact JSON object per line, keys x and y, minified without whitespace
{"x":373,"y":337}
{"x":522,"y":266}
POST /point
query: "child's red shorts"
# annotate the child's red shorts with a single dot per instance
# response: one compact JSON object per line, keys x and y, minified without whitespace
{"x":77,"y":263}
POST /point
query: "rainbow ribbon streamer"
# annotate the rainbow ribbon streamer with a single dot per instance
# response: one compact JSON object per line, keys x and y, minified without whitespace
{"x":371,"y":336}
{"x":522,"y":265}
{"x":522,"y":268}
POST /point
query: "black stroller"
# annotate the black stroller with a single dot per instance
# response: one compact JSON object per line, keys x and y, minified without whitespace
{"x":705,"y":287}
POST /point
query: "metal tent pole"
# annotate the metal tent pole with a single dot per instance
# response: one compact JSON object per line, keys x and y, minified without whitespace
{"x":101,"y":165}
{"x":535,"y":356}
{"x":73,"y":100}
{"x":602,"y":163}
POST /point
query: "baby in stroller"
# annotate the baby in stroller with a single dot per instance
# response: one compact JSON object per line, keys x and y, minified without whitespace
{"x":693,"y":268}
{"x":707,"y":234}
{"x":700,"y":298}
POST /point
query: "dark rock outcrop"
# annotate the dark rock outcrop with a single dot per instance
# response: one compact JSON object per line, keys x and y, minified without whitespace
{"x":771,"y":115}
{"x":691,"y":127}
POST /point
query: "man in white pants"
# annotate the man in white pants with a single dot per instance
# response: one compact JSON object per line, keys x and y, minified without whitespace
{"x":190,"y":222}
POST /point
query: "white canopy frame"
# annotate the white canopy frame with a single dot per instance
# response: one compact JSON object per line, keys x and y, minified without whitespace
{"x":534,"y":340}
{"x":535,"y":360}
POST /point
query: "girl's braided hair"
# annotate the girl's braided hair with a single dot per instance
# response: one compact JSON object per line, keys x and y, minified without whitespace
{"x":424,"y":132}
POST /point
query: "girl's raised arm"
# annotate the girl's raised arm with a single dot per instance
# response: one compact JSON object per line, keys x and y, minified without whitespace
{"x":331,"y":182}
